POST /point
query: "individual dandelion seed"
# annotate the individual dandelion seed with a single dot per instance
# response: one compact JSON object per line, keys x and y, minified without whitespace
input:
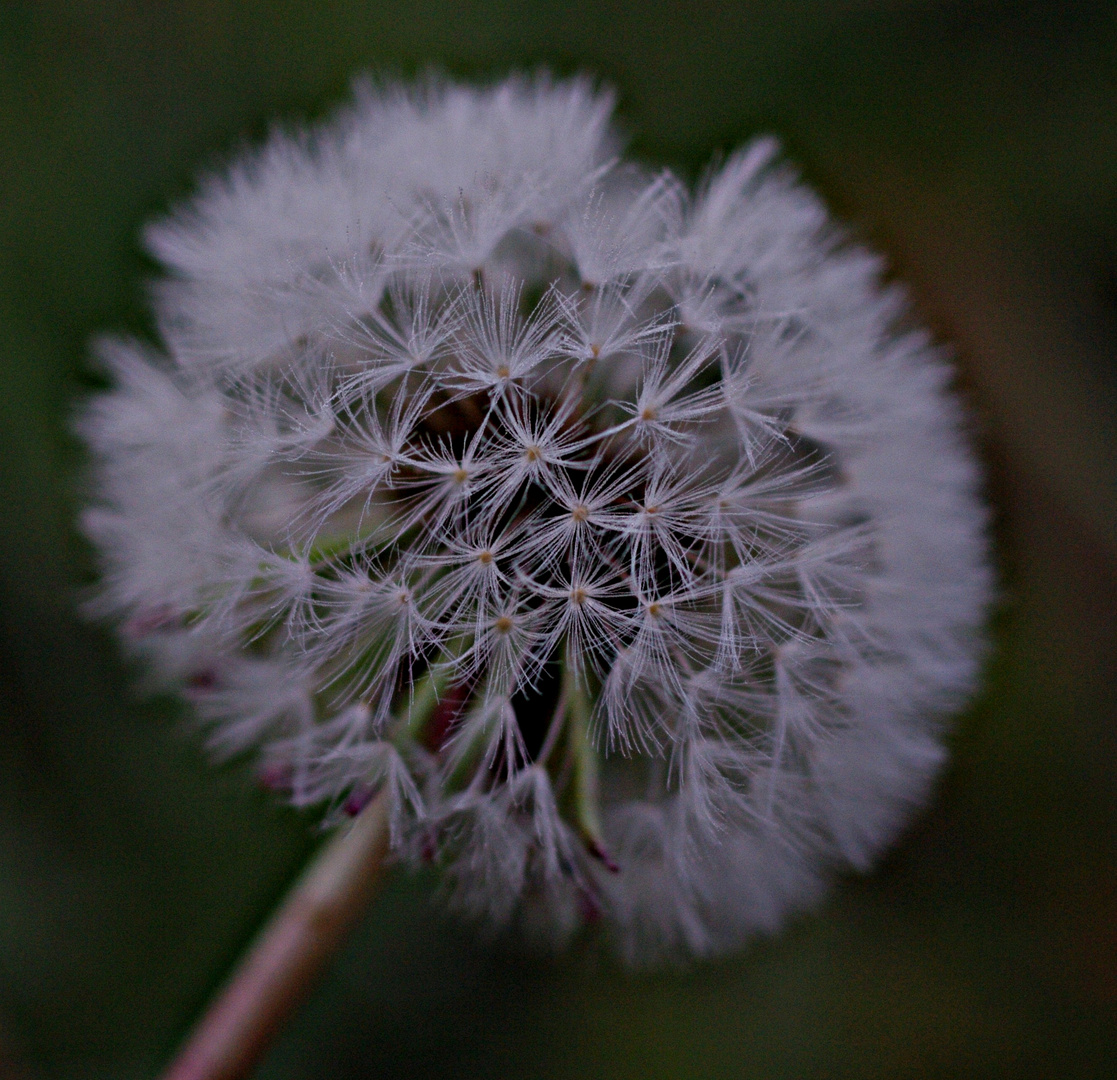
{"x":617,"y":532}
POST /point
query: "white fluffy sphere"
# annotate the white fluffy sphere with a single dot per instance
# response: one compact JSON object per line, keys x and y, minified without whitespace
{"x":620,"y":531}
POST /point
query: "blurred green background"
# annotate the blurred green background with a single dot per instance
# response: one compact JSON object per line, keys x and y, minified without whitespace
{"x":976,"y":144}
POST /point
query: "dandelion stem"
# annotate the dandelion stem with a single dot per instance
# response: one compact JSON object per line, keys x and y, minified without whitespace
{"x":282,"y":964}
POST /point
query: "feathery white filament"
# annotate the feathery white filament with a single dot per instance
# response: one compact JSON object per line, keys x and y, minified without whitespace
{"x":614,"y":528}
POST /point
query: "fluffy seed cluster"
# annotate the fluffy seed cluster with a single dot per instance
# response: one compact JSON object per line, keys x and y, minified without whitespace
{"x":618,"y":530}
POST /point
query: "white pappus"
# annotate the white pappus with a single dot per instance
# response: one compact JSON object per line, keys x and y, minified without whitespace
{"x":619,"y":530}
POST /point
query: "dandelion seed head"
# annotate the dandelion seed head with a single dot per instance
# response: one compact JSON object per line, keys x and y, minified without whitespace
{"x":615,"y":529}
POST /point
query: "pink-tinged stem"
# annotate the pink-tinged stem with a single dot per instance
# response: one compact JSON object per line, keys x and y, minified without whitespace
{"x":290,"y":952}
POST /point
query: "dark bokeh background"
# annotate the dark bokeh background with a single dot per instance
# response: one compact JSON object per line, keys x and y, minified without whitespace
{"x":976,"y":143}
